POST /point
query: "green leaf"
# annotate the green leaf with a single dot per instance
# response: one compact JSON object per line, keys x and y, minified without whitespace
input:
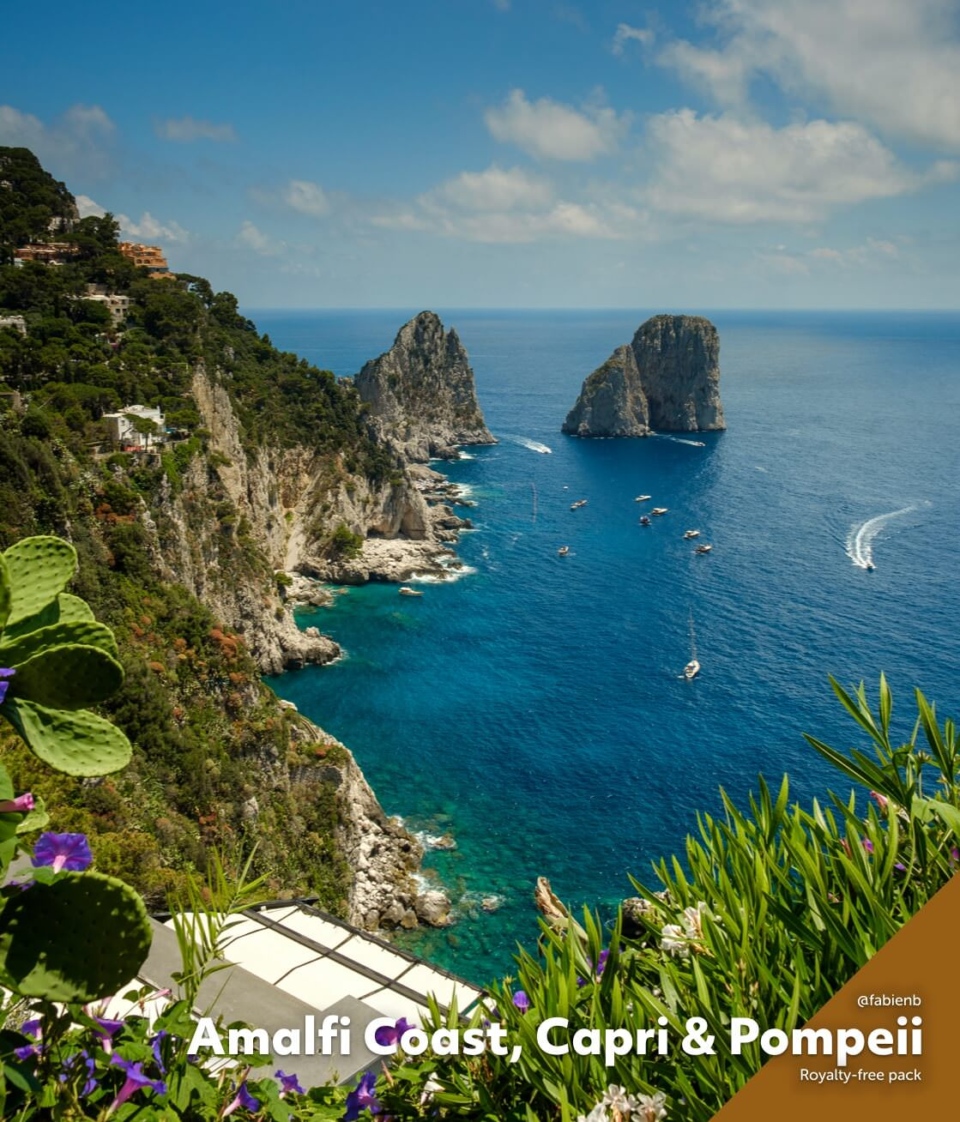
{"x":67,"y":677}
{"x":37,"y":570}
{"x":76,"y":940}
{"x":76,"y":742}
{"x":84,"y":633}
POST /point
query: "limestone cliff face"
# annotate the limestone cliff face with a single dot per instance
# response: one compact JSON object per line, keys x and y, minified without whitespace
{"x":421,"y":393}
{"x":667,"y":379}
{"x":612,"y":401}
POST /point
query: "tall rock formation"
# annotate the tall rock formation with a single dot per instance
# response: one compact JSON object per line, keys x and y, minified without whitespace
{"x":421,"y":394}
{"x":668,"y":378}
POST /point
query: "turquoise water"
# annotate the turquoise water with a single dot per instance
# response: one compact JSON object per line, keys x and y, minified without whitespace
{"x":534,"y":709}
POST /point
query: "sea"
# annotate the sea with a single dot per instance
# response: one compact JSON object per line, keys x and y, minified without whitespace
{"x":534,"y":709}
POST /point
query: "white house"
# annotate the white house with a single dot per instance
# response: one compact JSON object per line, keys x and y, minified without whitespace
{"x":122,"y":427}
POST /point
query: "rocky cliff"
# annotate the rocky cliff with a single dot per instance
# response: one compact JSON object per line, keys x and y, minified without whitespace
{"x":667,"y":379}
{"x":421,"y":395}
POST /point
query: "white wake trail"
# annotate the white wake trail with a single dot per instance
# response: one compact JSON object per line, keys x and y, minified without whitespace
{"x":526,"y":442}
{"x":859,"y":546}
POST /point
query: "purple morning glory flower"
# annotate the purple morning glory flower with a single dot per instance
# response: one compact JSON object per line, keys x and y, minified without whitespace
{"x":28,"y":1051}
{"x":108,"y":1030}
{"x":362,"y":1097}
{"x":243,"y":1099}
{"x":70,"y":1063}
{"x":20,"y":805}
{"x":156,"y":1045}
{"x":521,"y":1001}
{"x":289,"y":1084}
{"x":135,"y":1081}
{"x":5,"y":675}
{"x":390,"y":1034}
{"x":63,"y":851}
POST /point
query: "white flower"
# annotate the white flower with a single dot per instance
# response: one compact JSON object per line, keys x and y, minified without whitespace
{"x":617,"y":1098}
{"x":674,"y":940}
{"x":650,"y":1108}
{"x":693,"y":921}
{"x":598,"y":1114}
{"x":430,"y":1088}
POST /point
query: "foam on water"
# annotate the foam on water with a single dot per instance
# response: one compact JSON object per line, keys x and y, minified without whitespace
{"x":860,"y":540}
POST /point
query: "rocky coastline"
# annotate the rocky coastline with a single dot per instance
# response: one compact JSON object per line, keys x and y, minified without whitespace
{"x":422,"y":405}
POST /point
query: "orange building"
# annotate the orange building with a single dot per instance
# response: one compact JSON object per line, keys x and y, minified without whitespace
{"x":146,"y":257}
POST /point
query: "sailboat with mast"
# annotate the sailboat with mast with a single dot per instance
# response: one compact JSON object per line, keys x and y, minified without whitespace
{"x":692,"y":669}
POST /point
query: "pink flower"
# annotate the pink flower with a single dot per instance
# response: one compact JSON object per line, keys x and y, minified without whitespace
{"x":20,"y":805}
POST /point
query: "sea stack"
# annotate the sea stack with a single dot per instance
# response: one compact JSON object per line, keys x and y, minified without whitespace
{"x":667,"y":379}
{"x":421,"y":394}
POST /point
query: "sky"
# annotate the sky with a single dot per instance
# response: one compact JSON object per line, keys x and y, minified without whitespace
{"x":512,"y":153}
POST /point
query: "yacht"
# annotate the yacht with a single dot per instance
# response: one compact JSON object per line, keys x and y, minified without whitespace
{"x":659,"y":510}
{"x":406,"y":590}
{"x":690,"y":534}
{"x":579,"y":503}
{"x":563,"y":550}
{"x":642,"y":498}
{"x":691,"y":670}
{"x":703,"y":548}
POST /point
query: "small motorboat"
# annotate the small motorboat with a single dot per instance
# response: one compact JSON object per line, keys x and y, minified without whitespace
{"x":642,"y":498}
{"x":659,"y":510}
{"x":690,"y":534}
{"x":691,"y":670}
{"x":644,"y":520}
{"x":579,"y":503}
{"x":703,"y":549}
{"x":406,"y":590}
{"x":698,"y":443}
{"x":563,"y":550}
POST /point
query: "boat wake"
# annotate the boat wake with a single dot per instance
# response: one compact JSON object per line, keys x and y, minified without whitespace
{"x":526,"y":442}
{"x":859,"y":544}
{"x":681,"y":440}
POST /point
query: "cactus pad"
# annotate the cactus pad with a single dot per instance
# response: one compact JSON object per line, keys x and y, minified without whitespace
{"x":78,"y":939}
{"x":37,"y":570}
{"x":77,"y":742}
{"x":67,"y":677}
{"x":16,"y":651}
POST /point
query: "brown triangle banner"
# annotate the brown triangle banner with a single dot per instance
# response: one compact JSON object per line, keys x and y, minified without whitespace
{"x":911,"y":989}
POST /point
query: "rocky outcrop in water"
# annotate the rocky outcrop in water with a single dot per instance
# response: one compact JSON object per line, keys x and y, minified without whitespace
{"x":667,"y":379}
{"x":421,"y":395}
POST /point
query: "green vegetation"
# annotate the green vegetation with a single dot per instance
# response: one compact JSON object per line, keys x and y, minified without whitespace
{"x":210,"y":745}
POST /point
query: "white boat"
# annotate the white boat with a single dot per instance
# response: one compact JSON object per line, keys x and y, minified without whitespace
{"x":563,"y":550}
{"x":579,"y":503}
{"x":659,"y":510}
{"x":690,"y":534}
{"x":405,"y":590}
{"x":692,"y":669}
{"x":642,"y":498}
{"x":703,"y":548}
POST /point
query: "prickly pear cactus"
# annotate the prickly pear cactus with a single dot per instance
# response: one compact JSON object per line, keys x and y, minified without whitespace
{"x":77,"y":939}
{"x":78,"y":742}
{"x":36,"y":569}
{"x":63,"y":660}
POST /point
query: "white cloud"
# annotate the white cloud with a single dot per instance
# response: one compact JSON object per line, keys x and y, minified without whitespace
{"x":552,"y":131}
{"x":76,"y":143}
{"x":626,"y":34}
{"x":185,"y":130}
{"x":253,"y":238}
{"x":729,"y":170}
{"x":149,"y":228}
{"x":893,"y":63}
{"x":493,"y":189}
{"x":509,"y":206}
{"x":88,"y":208}
{"x":871,"y":255}
{"x":306,"y":197}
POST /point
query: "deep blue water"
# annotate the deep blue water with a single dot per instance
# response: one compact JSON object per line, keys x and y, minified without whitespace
{"x":534,"y":708}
